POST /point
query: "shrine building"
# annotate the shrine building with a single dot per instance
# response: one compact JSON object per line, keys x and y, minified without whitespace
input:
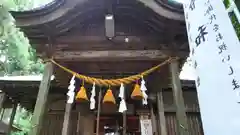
{"x":107,"y":47}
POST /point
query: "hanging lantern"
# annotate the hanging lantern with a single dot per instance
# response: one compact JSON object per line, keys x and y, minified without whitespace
{"x":137,"y":93}
{"x":82,"y":95}
{"x":109,"y":98}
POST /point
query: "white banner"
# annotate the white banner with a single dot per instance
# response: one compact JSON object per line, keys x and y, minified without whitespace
{"x":215,"y":51}
{"x":146,"y":127}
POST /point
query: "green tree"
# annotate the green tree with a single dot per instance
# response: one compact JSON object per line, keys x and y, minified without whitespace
{"x":235,"y":22}
{"x":16,"y":55}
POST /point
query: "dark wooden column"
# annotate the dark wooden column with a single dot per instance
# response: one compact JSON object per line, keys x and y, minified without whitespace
{"x":2,"y":113}
{"x":178,"y":99}
{"x":67,"y":117}
{"x":161,"y":114}
{"x":99,"y":109}
{"x":124,"y":123}
{"x":42,"y":96}
{"x":153,"y":119}
{"x":2,"y":98}
{"x":79,"y":124}
{"x":15,"y":104}
{"x":125,"y":119}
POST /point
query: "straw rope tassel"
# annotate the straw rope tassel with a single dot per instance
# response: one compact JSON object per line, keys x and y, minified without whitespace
{"x":144,"y":89}
{"x":122,"y":106}
{"x":137,"y":93}
{"x":92,"y":98}
{"x":82,"y":94}
{"x":71,"y":89}
{"x":109,"y":98}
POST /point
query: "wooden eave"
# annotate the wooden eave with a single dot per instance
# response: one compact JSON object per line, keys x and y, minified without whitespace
{"x":40,"y":11}
{"x":25,"y":92}
{"x":58,"y":8}
{"x":63,"y":16}
{"x":73,"y":33}
{"x":175,"y":7}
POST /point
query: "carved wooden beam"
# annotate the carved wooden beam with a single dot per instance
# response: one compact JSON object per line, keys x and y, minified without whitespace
{"x":108,"y":55}
{"x":110,"y":46}
{"x":102,"y":39}
{"x":112,"y":55}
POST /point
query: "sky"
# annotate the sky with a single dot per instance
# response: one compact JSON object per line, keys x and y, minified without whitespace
{"x":187,"y":73}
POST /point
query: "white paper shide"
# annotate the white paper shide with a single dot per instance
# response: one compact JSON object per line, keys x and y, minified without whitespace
{"x":122,"y":106}
{"x":71,"y":92}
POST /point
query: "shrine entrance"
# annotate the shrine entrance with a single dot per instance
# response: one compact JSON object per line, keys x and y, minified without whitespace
{"x":113,"y":124}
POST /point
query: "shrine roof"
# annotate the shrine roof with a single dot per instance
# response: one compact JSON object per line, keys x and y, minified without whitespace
{"x":74,"y":32}
{"x":60,"y":16}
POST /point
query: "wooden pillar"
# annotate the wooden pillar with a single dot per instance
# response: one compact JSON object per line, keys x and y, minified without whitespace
{"x":161,"y":114}
{"x":88,"y":124}
{"x":2,"y":113}
{"x":2,"y":98}
{"x":124,"y":123}
{"x":178,"y":99}
{"x":99,"y":109}
{"x":42,"y":96}
{"x":153,"y":119}
{"x":124,"y":120}
{"x":79,"y":123}
{"x":67,"y":118}
{"x":12,"y":118}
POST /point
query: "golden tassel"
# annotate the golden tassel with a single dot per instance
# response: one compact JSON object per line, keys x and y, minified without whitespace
{"x":109,"y":98}
{"x":137,"y":93}
{"x":82,"y":95}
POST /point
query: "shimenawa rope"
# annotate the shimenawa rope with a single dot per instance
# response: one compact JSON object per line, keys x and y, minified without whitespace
{"x":113,"y":82}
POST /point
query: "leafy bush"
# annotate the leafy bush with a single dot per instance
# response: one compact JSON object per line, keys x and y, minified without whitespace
{"x":235,"y":22}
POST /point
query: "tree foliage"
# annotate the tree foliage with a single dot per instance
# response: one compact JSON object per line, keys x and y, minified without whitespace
{"x":16,"y":55}
{"x":235,"y":22}
{"x":21,"y":120}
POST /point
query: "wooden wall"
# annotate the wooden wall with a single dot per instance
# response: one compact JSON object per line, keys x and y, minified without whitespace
{"x":192,"y":110}
{"x":53,"y":119}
